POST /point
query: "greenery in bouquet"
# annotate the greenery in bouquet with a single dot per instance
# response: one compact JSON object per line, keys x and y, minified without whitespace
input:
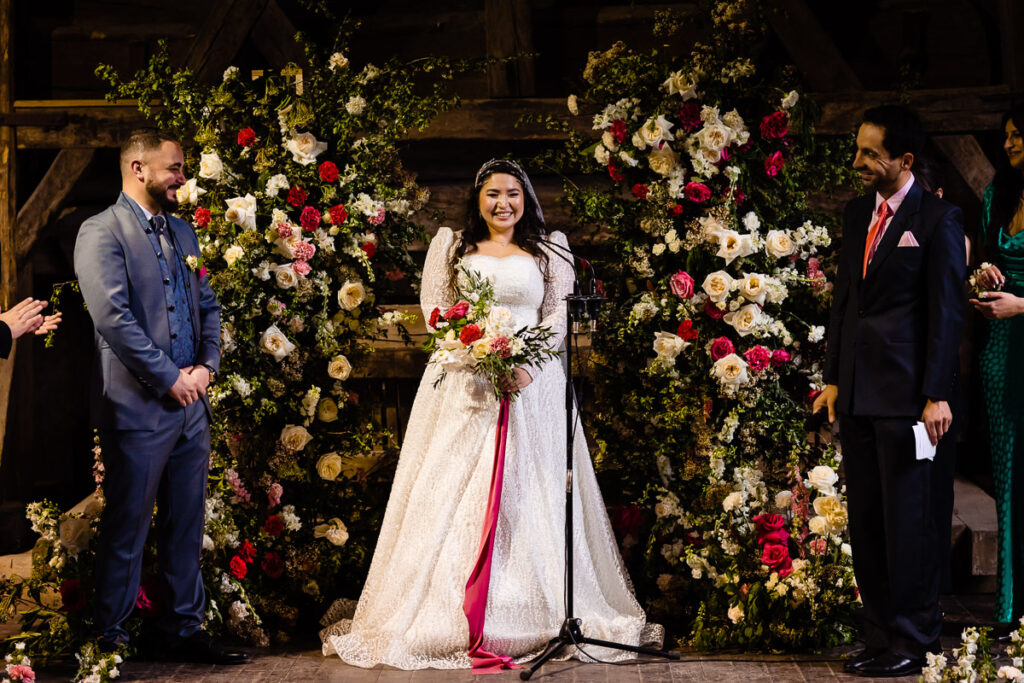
{"x":711,"y":346}
{"x":477,"y":335}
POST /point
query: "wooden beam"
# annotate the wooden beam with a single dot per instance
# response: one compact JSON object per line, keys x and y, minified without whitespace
{"x":48,"y":197}
{"x":8,"y":207}
{"x":964,"y":152}
{"x":222,"y":34}
{"x":508,"y":32}
{"x":273,"y":34}
{"x":815,"y":55}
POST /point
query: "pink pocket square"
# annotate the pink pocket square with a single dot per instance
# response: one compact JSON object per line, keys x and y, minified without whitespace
{"x":907,"y":240}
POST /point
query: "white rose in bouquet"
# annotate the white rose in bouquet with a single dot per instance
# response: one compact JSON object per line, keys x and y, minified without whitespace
{"x":334,"y":531}
{"x":275,"y":184}
{"x":654,"y":131}
{"x":190,"y":192}
{"x":210,"y":166}
{"x":668,"y":345}
{"x":753,"y":287}
{"x":732,"y":245}
{"x":232,"y":254}
{"x":327,"y":410}
{"x":242,"y":211}
{"x":744,"y":320}
{"x":833,"y":511}
{"x":716,"y":137}
{"x":718,"y":285}
{"x":500,"y":322}
{"x":295,"y":437}
{"x":730,"y":370}
{"x":778,"y":243}
{"x":663,"y":160}
{"x":339,"y":368}
{"x":351,"y":294}
{"x":329,"y":466}
{"x":601,"y":155}
{"x":275,"y":343}
{"x":823,"y":478}
{"x":285,"y":276}
{"x":678,"y":82}
{"x":305,"y":148}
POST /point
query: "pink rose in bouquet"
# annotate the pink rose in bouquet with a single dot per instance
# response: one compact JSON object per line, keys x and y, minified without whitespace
{"x":758,"y":358}
{"x":457,"y":311}
{"x":721,"y":347}
{"x":681,"y":285}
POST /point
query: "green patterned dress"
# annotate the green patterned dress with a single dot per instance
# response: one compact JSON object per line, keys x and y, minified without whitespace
{"x":1002,"y":380}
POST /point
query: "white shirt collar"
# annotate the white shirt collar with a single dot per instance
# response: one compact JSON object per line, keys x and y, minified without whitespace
{"x":897,"y":198}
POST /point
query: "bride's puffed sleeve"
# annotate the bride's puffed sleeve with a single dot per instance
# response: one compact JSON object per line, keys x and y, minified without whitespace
{"x":434,"y":289}
{"x":557,"y":285}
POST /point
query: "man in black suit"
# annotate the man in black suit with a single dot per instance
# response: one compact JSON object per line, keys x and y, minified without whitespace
{"x":896,"y":323}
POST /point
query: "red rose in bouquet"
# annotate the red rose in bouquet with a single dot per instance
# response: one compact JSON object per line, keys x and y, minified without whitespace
{"x":776,"y":556}
{"x":328,"y":172}
{"x":434,"y":316}
{"x":246,"y":137}
{"x":369,"y":248}
{"x":273,"y":526}
{"x":780,"y":357}
{"x":238,"y":567}
{"x":309,"y":218}
{"x":681,"y":285}
{"x":619,"y":131}
{"x":469,"y":334}
{"x":758,"y":358}
{"x":712,"y":310}
{"x":697,"y":192}
{"x":296,"y":196}
{"x":338,"y":214}
{"x":459,"y":310}
{"x":721,"y":347}
{"x":675,"y":210}
{"x":272,"y":565}
{"x":202,"y":217}
{"x":685,"y":331}
{"x":72,"y":596}
{"x":775,"y":125}
{"x":641,"y":190}
{"x":774,"y":163}
{"x":247,"y":551}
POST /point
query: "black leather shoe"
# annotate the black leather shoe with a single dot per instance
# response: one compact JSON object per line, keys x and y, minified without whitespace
{"x":892,"y":665}
{"x":858,"y":659}
{"x":202,"y":648}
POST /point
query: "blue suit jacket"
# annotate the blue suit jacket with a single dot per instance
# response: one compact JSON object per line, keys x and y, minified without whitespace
{"x":121,"y":283}
{"x":894,"y":334}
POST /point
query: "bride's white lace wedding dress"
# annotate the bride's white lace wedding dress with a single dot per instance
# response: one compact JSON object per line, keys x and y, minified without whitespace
{"x":410,"y":614}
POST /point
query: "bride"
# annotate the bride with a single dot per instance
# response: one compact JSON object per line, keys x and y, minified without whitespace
{"x":410,"y":614}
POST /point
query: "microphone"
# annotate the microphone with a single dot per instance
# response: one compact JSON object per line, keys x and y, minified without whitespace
{"x":589,"y":303}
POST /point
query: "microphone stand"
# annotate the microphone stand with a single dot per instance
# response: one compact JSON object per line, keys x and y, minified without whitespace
{"x":571,"y":633}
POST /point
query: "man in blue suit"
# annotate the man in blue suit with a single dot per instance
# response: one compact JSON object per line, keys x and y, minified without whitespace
{"x":158,"y":348}
{"x":896,"y":322}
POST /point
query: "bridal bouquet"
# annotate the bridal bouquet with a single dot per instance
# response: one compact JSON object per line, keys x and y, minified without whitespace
{"x":974,"y":286}
{"x":477,"y":335}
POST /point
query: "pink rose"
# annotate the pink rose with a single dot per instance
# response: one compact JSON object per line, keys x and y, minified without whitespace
{"x":274,"y":494}
{"x":721,"y":347}
{"x":758,"y":358}
{"x":681,"y":285}
{"x":774,"y":163}
{"x":775,"y":125}
{"x":457,"y":311}
{"x":698,"y":192}
{"x":780,"y":357}
{"x":776,"y":556}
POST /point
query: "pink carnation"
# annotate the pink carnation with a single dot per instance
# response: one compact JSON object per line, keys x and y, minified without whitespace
{"x":301,"y":268}
{"x":20,"y":672}
{"x":758,"y":358}
{"x":284,"y":231}
{"x":303,"y":251}
{"x":780,"y":357}
{"x":309,"y":218}
{"x":377,"y":218}
{"x":274,"y":494}
{"x":501,"y":347}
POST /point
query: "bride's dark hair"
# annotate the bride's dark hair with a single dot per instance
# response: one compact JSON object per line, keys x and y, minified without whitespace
{"x":531,"y":224}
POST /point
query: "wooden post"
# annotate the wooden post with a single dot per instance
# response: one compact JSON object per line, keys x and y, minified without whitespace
{"x":508,"y":32}
{"x":8,"y":208}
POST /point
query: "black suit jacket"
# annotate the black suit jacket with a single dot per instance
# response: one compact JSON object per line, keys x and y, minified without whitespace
{"x":894,"y":334}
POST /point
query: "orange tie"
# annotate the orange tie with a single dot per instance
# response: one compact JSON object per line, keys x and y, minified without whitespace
{"x":875,"y":235}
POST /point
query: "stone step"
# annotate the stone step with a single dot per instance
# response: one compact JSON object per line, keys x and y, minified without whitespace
{"x":974,"y":538}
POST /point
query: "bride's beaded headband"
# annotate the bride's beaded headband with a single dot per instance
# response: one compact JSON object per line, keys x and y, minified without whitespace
{"x":512,"y":168}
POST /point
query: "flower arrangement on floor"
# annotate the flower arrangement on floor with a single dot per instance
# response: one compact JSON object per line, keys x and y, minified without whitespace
{"x":477,"y":335}
{"x":973,"y":660}
{"x":710,"y":347}
{"x":304,"y":214}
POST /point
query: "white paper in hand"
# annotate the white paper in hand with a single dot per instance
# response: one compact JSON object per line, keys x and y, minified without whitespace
{"x":925,"y":449}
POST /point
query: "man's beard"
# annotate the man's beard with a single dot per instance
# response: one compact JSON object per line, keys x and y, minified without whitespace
{"x":159,"y":195}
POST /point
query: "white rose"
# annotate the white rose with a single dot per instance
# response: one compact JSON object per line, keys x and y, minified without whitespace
{"x":718,"y":285}
{"x":732,"y":245}
{"x":677,"y":82}
{"x":305,"y":148}
{"x":601,"y":155}
{"x":663,"y":160}
{"x":295,"y":437}
{"x":337,"y":61}
{"x":753,"y":287}
{"x":327,"y":411}
{"x":655,"y":131}
{"x":732,"y":501}
{"x":734,"y":121}
{"x":816,"y":334}
{"x":735,"y":614}
{"x":242,"y":211}
{"x":190,"y":192}
{"x":743,"y":320}
{"x":668,"y":345}
{"x":208,"y":545}
{"x":846,"y":549}
{"x":356,"y":105}
{"x":715,"y":136}
{"x":791,"y":98}
{"x":285,"y":276}
{"x":75,"y":534}
{"x":608,"y":140}
{"x":210,"y":166}
{"x":329,"y":466}
{"x":232,"y":254}
{"x":339,"y":368}
{"x":275,"y":343}
{"x":783,"y":499}
{"x":500,"y":322}
{"x":778,"y":243}
{"x":834,"y":512}
{"x":823,"y":478}
{"x":730,"y":370}
{"x":751,"y":222}
{"x":275,"y":184}
{"x":334,"y":531}
{"x":351,"y":294}
{"x":573,"y":104}
{"x":818,"y":525}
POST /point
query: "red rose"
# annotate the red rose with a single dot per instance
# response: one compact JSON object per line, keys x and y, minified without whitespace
{"x":712,"y":310}
{"x":614,"y":173}
{"x":768,"y":522}
{"x":272,"y":565}
{"x":238,"y":567}
{"x":689,"y":117}
{"x":681,"y":285}
{"x":147,"y":601}
{"x":780,"y":357}
{"x":721,"y":347}
{"x":309,"y":218}
{"x":758,"y":358}
{"x":72,"y":596}
{"x":685,"y":331}
{"x":338,"y":214}
{"x":273,"y":526}
{"x":738,"y":196}
{"x":457,"y":311}
{"x":469,"y":334}
{"x":640,"y":190}
{"x":328,"y":172}
{"x":246,"y":137}
{"x":434,"y":315}
{"x":775,"y":125}
{"x":776,"y":556}
{"x":369,"y":248}
{"x":697,"y":192}
{"x":619,"y":131}
{"x":202,"y":217}
{"x":676,"y":209}
{"x":296,"y":196}
{"x":777,"y":537}
{"x":247,"y":551}
{"x":774,"y":163}
{"x":813,"y":394}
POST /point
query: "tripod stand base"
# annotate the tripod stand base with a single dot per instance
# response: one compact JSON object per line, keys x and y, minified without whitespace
{"x":570,"y":635}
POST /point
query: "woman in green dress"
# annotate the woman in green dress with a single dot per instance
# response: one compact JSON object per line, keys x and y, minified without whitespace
{"x":1002,"y":359}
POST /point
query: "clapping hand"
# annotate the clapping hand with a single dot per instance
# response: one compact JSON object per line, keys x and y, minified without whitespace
{"x":50,"y":323}
{"x":25,"y":317}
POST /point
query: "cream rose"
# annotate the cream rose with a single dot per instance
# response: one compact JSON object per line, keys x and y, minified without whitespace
{"x":732,"y":501}
{"x":753,"y":287}
{"x":327,"y":410}
{"x":337,"y":61}
{"x":715,"y":136}
{"x":735,"y":614}
{"x":655,"y":131}
{"x":730,"y":370}
{"x":351,"y":294}
{"x":778,"y":243}
{"x":242,"y":211}
{"x":295,"y":437}
{"x":823,"y":478}
{"x":743,"y":320}
{"x":833,"y":511}
{"x":329,"y":466}
{"x":668,"y":345}
{"x":791,"y":98}
{"x":285,"y":276}
{"x":783,"y":499}
{"x":334,"y":531}
{"x":663,"y":161}
{"x":601,"y":155}
{"x":732,"y":245}
{"x":275,"y":343}
{"x":305,"y":148}
{"x":210,"y":166}
{"x":190,"y":192}
{"x":717,"y":285}
{"x":608,"y":140}
{"x":75,"y":534}
{"x":818,"y":525}
{"x":677,"y":82}
{"x":232,"y":254}
{"x":339,"y":368}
